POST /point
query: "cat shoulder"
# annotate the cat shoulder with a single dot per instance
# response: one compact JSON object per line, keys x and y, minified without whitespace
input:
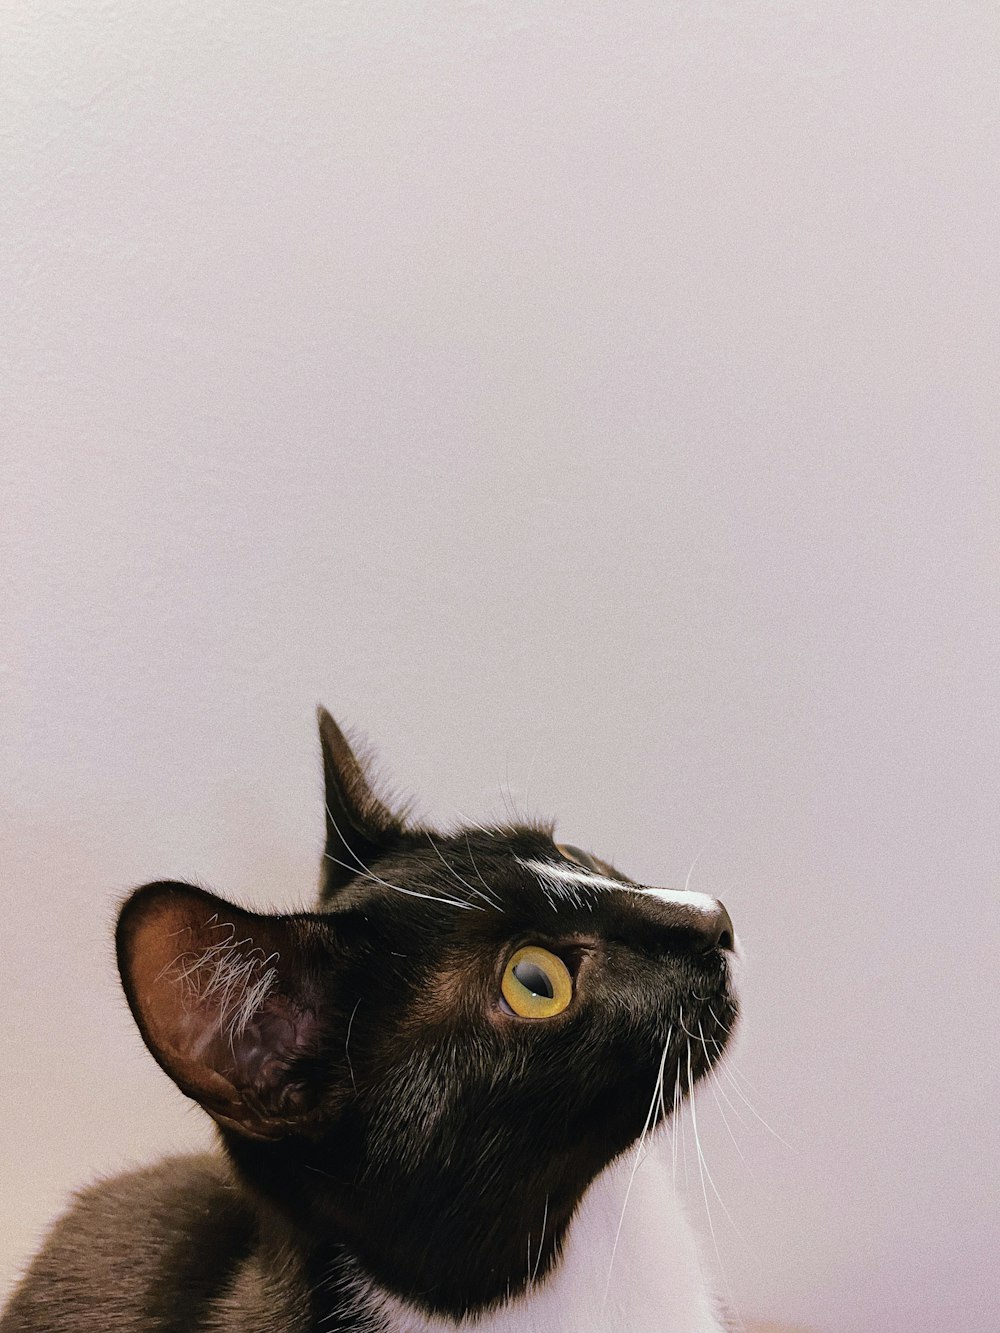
{"x":145,"y":1249}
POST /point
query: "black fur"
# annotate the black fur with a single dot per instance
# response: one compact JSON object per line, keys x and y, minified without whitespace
{"x":388,"y":1123}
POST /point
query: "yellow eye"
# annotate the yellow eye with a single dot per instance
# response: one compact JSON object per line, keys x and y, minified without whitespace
{"x":536,"y":984}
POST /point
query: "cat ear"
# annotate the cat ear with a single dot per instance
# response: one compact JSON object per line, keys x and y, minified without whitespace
{"x":227,"y":1001}
{"x":358,"y":824}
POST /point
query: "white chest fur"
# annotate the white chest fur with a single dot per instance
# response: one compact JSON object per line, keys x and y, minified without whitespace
{"x":656,"y":1282}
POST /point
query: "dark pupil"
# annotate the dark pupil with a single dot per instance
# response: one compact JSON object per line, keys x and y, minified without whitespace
{"x":532,"y":978}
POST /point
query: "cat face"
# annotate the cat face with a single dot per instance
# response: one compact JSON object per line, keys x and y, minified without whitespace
{"x":443,"y":1056}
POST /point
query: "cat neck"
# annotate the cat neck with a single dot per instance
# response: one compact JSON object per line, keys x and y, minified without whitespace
{"x":628,"y":1260}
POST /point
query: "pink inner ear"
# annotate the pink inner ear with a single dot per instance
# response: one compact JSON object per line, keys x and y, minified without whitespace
{"x":214,"y":992}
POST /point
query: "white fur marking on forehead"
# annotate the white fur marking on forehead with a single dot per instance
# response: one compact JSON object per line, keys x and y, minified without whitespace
{"x":555,"y":875}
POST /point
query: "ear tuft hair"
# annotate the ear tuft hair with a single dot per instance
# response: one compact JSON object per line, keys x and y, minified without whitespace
{"x":227,"y":1001}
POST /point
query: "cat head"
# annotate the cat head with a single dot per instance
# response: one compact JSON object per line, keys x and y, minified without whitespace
{"x":441,"y":1058}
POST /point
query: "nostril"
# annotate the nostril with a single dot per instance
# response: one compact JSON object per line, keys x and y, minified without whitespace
{"x":725,"y":936}
{"x":677,"y":928}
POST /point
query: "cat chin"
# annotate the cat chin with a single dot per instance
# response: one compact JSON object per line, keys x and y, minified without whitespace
{"x":629,"y":1261}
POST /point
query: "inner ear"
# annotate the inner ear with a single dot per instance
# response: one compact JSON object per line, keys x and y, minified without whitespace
{"x":359,"y":825}
{"x":228,"y":1002}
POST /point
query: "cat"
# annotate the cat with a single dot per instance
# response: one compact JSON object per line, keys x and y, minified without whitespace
{"x":437,"y":1095}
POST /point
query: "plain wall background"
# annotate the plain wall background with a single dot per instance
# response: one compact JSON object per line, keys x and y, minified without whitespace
{"x":592,"y":402}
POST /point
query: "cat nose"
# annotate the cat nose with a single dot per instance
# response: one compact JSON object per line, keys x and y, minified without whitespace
{"x":715,"y":929}
{"x":688,"y":923}
{"x":702,"y":928}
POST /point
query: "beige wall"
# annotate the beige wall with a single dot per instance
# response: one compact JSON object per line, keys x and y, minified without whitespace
{"x":598,"y":399}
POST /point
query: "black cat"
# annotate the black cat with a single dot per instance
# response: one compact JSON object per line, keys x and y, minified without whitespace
{"x":427,"y":1091}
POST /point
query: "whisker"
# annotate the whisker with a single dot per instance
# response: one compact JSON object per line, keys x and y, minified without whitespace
{"x":716,"y":1087}
{"x":347,"y":1044}
{"x":684,"y":1147}
{"x":753,"y":1110}
{"x":507,"y":794}
{"x":369,"y":874}
{"x":701,"y":1160}
{"x":531,"y":773}
{"x":740,"y":1074}
{"x":690,"y":872}
{"x":541,"y":1241}
{"x":454,"y":873}
{"x":675,"y":1126}
{"x":474,"y":823}
{"x":736,"y":1075}
{"x":318,"y":1172}
{"x":700,"y":1036}
{"x":741,"y":1118}
{"x":706,"y":1173}
{"x":663,"y":1110}
{"x":635,"y":1168}
{"x":398,"y":888}
{"x":493,"y":901}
